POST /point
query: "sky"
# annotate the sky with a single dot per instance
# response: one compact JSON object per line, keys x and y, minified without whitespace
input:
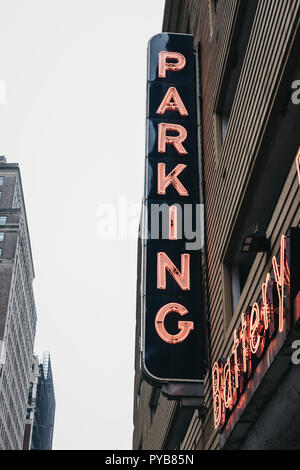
{"x":72,"y":114}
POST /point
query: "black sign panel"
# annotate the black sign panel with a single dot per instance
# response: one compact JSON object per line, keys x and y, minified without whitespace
{"x":172,"y":322}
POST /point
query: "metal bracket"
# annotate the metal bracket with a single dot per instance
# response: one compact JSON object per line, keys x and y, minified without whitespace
{"x":190,"y":395}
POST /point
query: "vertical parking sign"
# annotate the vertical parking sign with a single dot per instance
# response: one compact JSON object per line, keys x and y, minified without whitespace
{"x":172,"y":316}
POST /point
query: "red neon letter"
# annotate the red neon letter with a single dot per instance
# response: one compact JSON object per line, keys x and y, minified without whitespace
{"x":279,"y":279}
{"x":217,"y":398}
{"x":172,"y":102}
{"x":182,"y":279}
{"x":243,"y":336}
{"x":184,"y":326}
{"x":163,"y":65}
{"x":236,"y":343}
{"x":228,"y":396}
{"x":173,"y":223}
{"x":164,"y":181}
{"x":266,"y":311}
{"x":254,"y":328}
{"x":176,"y":140}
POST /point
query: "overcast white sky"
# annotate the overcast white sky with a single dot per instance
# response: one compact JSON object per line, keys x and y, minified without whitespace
{"x":74,"y":120}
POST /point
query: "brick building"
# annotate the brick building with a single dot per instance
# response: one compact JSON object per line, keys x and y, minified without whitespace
{"x":249,"y":69}
{"x":17,"y":308}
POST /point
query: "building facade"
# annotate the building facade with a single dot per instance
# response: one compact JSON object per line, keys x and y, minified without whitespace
{"x":249,"y":74}
{"x":17,"y":308}
{"x":32,"y":402}
{"x":44,"y":407}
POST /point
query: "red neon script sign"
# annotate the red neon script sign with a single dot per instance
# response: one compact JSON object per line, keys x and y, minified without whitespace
{"x":258,"y":327}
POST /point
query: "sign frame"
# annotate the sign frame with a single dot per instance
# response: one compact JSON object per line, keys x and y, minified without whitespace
{"x":152,"y":155}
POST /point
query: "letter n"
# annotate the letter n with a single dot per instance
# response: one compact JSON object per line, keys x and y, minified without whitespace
{"x":182,"y":278}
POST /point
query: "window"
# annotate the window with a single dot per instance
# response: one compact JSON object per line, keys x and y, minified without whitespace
{"x":212,"y":14}
{"x":235,"y":273}
{"x":233,"y":69}
{"x":3,"y":220}
{"x":138,"y":395}
{"x":30,"y":393}
{"x":1,"y":180}
{"x":154,"y":401}
{"x":2,"y":236}
{"x":0,"y":252}
{"x":141,"y":443}
{"x":0,"y":194}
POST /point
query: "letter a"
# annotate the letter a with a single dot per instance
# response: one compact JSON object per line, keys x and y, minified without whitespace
{"x":172,"y":102}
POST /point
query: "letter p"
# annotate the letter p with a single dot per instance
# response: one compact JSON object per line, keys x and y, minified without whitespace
{"x":164,"y":65}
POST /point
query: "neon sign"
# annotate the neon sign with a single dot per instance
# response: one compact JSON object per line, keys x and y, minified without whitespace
{"x":259,"y":327}
{"x":172,"y":333}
